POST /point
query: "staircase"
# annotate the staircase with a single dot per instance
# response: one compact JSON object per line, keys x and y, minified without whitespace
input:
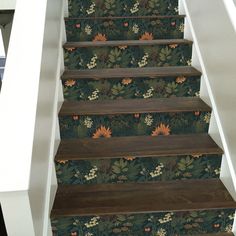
{"x":135,"y":157}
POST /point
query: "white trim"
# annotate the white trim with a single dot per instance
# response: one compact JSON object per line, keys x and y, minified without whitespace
{"x":204,"y":22}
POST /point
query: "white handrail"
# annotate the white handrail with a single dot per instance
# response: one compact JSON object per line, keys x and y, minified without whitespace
{"x":19,"y":95}
{"x":28,"y":116}
{"x":215,"y":42}
{"x":7,"y":4}
{"x":231,"y":8}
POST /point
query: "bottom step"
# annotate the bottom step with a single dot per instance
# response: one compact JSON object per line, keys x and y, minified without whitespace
{"x":205,"y":223}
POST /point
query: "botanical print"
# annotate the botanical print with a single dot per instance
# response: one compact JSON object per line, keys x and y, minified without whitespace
{"x":132,"y":169}
{"x":156,"y":224}
{"x":124,"y":29}
{"x":128,"y":56}
{"x":90,"y":8}
{"x":107,"y":20}
{"x":127,"y":88}
{"x":107,"y":126}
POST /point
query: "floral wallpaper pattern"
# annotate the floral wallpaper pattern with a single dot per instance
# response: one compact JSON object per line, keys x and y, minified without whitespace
{"x":91,"y":8}
{"x":128,"y":56}
{"x":132,"y":169}
{"x":156,"y":224}
{"x":110,"y":89}
{"x":124,"y":29}
{"x":103,"y":20}
{"x":134,"y":124}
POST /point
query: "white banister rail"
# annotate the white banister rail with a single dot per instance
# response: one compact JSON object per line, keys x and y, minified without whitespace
{"x":212,"y":27}
{"x":29,"y":101}
{"x":231,"y":8}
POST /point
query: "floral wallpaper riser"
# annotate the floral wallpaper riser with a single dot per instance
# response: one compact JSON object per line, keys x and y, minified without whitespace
{"x":134,"y":124}
{"x":126,"y":88}
{"x":124,"y":29}
{"x":156,"y":224}
{"x":132,"y":169}
{"x":90,"y":8}
{"x":128,"y":56}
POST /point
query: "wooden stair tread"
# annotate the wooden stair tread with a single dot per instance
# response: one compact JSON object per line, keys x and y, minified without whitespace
{"x":133,"y":106}
{"x":133,"y":198}
{"x":125,"y":17}
{"x":136,"y":146}
{"x":132,"y":72}
{"x":126,"y":43}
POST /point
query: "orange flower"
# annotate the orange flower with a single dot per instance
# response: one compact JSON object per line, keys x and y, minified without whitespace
{"x":70,"y":83}
{"x":161,"y":130}
{"x":126,"y":81}
{"x":146,"y":36}
{"x":62,"y":161}
{"x":102,"y":132}
{"x":100,"y":37}
{"x":173,"y":45}
{"x":180,"y":79}
{"x":129,"y":158}
{"x":70,"y":49}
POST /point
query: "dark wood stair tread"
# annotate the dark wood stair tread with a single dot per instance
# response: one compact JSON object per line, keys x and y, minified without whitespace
{"x":126,"y":43}
{"x":132,"y":106}
{"x":133,"y":198}
{"x":125,"y":17}
{"x":137,"y":146}
{"x":132,"y":72}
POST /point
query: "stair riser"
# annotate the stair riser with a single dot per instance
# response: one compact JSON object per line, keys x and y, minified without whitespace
{"x":131,"y":169}
{"x":159,"y":224}
{"x":134,"y":124}
{"x":91,"y":8}
{"x":124,"y":29}
{"x":111,"y":89}
{"x":128,"y":57}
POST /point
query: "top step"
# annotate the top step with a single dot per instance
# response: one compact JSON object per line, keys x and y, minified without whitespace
{"x":91,"y":8}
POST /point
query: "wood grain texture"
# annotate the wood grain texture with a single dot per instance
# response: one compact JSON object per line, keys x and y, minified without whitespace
{"x":132,"y":106}
{"x":133,"y":198}
{"x":126,"y":43}
{"x":125,"y":17}
{"x":170,"y":71}
{"x":139,"y":146}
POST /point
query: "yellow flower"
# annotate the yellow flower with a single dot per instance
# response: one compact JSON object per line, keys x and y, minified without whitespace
{"x":102,"y":132}
{"x":161,"y":130}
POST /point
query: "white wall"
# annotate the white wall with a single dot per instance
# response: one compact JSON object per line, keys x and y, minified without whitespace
{"x":7,"y":4}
